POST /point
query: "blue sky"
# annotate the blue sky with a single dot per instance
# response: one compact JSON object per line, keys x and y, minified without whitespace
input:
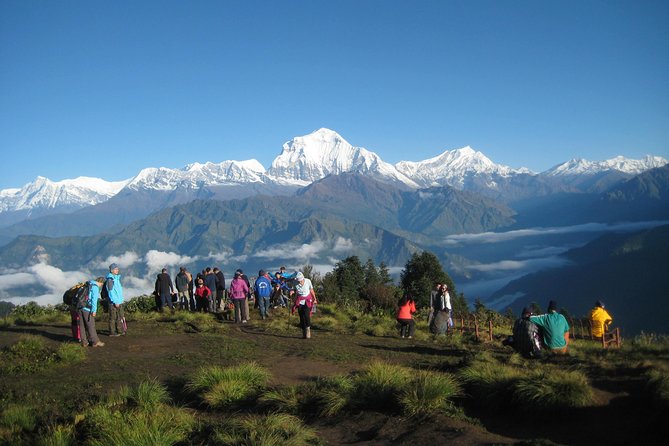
{"x":102,"y":88}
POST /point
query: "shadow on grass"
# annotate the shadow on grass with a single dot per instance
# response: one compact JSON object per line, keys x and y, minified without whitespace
{"x":417,"y":349}
{"x":37,"y":332}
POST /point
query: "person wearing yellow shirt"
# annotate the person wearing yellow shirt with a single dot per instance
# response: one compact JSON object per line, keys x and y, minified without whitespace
{"x":599,"y":320}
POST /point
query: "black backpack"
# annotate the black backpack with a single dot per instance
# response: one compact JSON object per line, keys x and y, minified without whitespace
{"x":80,"y":297}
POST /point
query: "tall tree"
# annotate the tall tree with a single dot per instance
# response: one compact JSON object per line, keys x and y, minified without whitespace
{"x":420,"y":274}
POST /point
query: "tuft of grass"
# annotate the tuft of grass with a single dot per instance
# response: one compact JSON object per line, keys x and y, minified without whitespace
{"x":284,"y":399}
{"x":337,"y":393}
{"x":225,"y":387}
{"x":657,"y":387}
{"x":58,"y":436}
{"x":70,"y":353}
{"x":167,"y":425}
{"x":380,"y":385}
{"x":19,"y":417}
{"x":277,"y":429}
{"x":489,"y":383}
{"x":552,"y":390}
{"x":137,"y":415}
{"x":430,"y":393}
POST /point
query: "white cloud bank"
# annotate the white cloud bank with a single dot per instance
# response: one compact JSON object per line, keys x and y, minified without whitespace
{"x":497,"y":237}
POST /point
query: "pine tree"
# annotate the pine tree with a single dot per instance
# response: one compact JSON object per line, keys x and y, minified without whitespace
{"x":420,"y":274}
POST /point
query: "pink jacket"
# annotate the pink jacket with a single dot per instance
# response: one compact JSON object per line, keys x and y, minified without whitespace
{"x":238,"y":288}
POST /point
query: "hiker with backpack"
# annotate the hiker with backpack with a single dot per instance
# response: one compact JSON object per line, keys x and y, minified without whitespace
{"x":114,"y":291}
{"x":263,"y":291}
{"x":87,"y":307}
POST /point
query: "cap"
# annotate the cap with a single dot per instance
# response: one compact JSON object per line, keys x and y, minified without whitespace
{"x":552,"y":306}
{"x":261,"y":272}
{"x":299,"y":276}
{"x":599,"y":303}
{"x":113,"y":266}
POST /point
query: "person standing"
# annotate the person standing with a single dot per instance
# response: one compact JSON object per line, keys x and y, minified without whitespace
{"x":263,"y":291}
{"x":440,"y":308}
{"x":210,"y":282}
{"x":407,"y":307}
{"x":238,"y":291}
{"x":599,"y":320}
{"x":117,"y":324}
{"x":202,"y":295}
{"x":181,"y":282}
{"x":89,"y":336}
{"x":248,"y":293}
{"x":220,"y":287}
{"x":554,"y":329}
{"x":165,"y":289}
{"x":305,"y":298}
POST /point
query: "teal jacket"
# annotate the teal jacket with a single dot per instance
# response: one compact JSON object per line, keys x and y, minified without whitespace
{"x":553,"y":327}
{"x":116,"y":290}
{"x":93,"y":296}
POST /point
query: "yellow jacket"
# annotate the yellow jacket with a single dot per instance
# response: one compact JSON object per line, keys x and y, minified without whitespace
{"x":599,"y":319}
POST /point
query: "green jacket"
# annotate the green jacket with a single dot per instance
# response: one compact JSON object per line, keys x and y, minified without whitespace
{"x":553,"y":327}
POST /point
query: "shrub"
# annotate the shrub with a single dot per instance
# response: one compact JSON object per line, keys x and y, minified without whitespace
{"x":276,"y":429}
{"x":284,"y":399}
{"x":140,"y":304}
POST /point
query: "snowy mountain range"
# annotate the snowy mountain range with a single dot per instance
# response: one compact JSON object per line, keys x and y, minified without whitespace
{"x":303,"y":160}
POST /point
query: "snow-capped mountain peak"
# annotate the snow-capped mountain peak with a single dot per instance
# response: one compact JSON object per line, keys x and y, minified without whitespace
{"x":72,"y":193}
{"x":580,"y":166}
{"x":324,"y":152}
{"x":453,"y":167}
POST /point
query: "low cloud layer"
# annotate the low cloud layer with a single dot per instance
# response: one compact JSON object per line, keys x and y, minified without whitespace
{"x":497,"y":237}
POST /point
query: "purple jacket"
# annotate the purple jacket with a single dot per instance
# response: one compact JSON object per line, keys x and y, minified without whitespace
{"x":238,"y":288}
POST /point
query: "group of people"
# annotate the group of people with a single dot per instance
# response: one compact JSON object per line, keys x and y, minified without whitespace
{"x":440,"y":318}
{"x":206,"y":292}
{"x":535,"y":334}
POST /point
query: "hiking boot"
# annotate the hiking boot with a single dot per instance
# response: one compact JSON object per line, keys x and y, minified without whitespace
{"x":114,"y":335}
{"x":84,"y":344}
{"x":98,"y":344}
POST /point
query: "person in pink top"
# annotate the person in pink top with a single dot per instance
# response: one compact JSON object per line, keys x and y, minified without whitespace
{"x":407,"y":307}
{"x":238,"y":291}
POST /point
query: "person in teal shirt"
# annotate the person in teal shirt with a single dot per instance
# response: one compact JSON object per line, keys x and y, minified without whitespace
{"x":554,"y":328}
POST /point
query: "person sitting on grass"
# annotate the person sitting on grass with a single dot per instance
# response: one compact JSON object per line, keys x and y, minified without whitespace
{"x":407,"y":307}
{"x":599,"y":320}
{"x":554,"y":329}
{"x":525,"y":339}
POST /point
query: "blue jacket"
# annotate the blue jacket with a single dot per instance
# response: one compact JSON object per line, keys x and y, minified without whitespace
{"x":93,"y":296}
{"x":263,"y":286}
{"x":116,"y":292}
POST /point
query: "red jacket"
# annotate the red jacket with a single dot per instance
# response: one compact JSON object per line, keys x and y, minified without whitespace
{"x":406,"y":310}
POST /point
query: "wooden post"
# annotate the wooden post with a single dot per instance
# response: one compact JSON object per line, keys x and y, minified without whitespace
{"x":490,"y":329}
